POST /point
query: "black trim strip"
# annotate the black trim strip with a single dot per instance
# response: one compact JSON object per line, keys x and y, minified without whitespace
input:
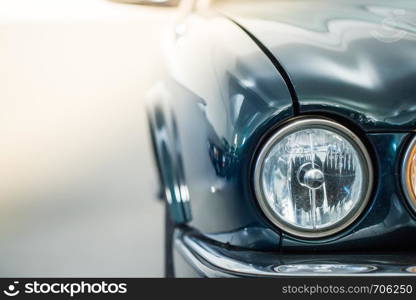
{"x":277,"y":65}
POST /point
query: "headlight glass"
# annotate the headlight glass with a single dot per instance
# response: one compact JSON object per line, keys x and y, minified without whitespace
{"x":312,"y":178}
{"x":409,"y":174}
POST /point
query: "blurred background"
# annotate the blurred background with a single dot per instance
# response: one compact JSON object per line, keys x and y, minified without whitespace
{"x":78,"y":187}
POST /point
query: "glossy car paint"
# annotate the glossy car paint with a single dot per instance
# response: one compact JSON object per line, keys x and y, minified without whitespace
{"x":355,"y":58}
{"x":225,"y":92}
{"x":222,"y":93}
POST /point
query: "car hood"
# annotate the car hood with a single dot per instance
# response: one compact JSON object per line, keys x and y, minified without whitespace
{"x":351,"y":58}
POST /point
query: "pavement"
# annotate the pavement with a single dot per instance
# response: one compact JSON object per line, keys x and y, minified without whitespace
{"x":78,"y":187}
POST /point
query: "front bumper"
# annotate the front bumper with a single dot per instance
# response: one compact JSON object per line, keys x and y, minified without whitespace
{"x":212,"y":259}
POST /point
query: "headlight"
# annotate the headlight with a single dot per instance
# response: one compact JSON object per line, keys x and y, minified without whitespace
{"x":409,"y":174}
{"x":313,"y":178}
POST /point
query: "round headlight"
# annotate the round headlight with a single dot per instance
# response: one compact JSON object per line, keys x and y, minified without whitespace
{"x":313,"y":178}
{"x":409,"y":174}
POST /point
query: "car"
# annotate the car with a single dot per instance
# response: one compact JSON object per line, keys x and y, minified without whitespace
{"x":283,"y":134}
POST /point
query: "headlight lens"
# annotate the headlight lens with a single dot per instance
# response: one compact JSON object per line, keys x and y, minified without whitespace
{"x":313,"y":178}
{"x":409,"y":174}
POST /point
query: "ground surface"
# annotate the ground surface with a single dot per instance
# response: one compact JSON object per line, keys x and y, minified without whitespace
{"x":77,"y":195}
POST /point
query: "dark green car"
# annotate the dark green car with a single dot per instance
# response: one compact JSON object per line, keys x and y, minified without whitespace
{"x":284,"y":138}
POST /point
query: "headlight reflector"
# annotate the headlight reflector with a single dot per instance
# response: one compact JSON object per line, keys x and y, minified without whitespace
{"x":313,"y":177}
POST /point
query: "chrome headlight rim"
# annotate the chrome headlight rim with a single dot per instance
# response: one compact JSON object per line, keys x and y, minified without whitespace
{"x":410,"y":195}
{"x":297,"y":125}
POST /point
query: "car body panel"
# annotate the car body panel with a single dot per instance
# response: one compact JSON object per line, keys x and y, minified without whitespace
{"x":353,"y":58}
{"x":223,"y":93}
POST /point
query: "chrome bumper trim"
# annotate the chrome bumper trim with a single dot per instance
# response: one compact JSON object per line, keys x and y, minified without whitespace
{"x":212,"y":259}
